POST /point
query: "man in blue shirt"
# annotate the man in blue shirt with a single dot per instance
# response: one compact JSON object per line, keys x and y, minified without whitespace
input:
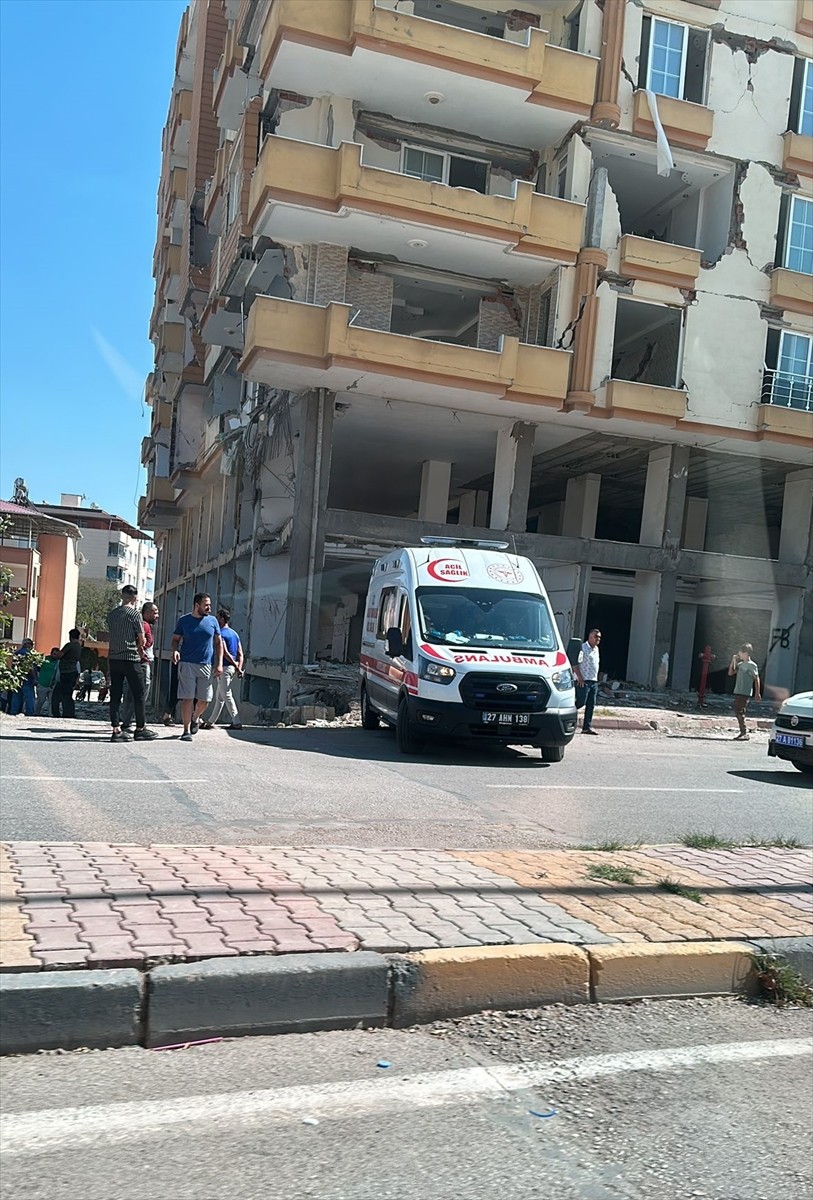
{"x":197,"y":651}
{"x":232,"y":669}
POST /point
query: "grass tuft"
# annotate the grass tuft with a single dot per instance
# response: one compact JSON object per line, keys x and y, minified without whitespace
{"x":609,"y":845}
{"x":680,"y":889}
{"x":780,"y":984}
{"x":696,"y":840}
{"x":612,"y":873}
{"x":706,"y":841}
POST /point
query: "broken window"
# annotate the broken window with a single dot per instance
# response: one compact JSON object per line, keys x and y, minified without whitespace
{"x":647,"y":345}
{"x":673,"y":59}
{"x":801,"y":98}
{"x":456,"y":170}
{"x":788,"y":379}
{"x":795,"y":235}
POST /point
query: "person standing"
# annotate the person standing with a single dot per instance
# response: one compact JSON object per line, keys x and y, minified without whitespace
{"x":46,"y":680}
{"x":746,"y":685}
{"x":126,"y":652}
{"x":232,"y":669}
{"x":197,"y":647}
{"x":149,"y":615}
{"x":62,"y":702}
{"x":24,"y":700}
{"x":586,"y":671}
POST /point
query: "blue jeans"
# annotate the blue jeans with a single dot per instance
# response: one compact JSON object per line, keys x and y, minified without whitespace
{"x":590,"y":692}
{"x":24,"y":700}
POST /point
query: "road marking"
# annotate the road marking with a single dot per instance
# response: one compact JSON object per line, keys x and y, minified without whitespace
{"x":93,"y":779}
{"x":48,"y":1129}
{"x":600,"y":787}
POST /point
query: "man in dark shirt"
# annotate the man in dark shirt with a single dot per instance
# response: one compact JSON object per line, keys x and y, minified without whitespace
{"x":62,"y":704}
{"x":126,"y":651}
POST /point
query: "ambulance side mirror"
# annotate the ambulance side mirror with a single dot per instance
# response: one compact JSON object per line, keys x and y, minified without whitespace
{"x":574,"y":649}
{"x":395,"y":643}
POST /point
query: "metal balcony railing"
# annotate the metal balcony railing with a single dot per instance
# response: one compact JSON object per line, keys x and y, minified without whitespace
{"x":787,"y":390}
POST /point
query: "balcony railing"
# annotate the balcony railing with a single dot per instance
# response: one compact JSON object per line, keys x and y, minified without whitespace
{"x":786,"y":390}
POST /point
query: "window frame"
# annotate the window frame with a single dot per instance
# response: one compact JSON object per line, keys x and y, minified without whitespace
{"x":683,"y":56}
{"x":447,"y":156}
{"x":793,"y":201}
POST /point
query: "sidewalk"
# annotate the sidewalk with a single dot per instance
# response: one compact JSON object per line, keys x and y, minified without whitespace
{"x":95,"y":905}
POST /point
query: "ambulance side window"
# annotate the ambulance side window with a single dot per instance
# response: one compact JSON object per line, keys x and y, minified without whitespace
{"x":405,"y":625}
{"x":387,"y":612}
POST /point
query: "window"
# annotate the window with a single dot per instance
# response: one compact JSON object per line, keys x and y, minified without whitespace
{"x":795,"y":237}
{"x":801,"y":98}
{"x":115,"y":574}
{"x":435,"y":166}
{"x":673,"y":60}
{"x":387,"y":612}
{"x":789,"y":375}
{"x":115,"y":550}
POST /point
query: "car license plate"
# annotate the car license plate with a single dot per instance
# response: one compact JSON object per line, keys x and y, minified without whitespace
{"x":498,"y":718}
{"x":790,"y":739}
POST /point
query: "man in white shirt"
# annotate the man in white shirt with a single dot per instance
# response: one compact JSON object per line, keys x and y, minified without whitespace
{"x":586,"y":671}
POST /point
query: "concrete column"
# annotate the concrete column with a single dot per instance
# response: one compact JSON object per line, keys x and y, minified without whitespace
{"x":434,"y":502}
{"x":512,"y":476}
{"x":581,"y":506}
{"x":783,"y":647}
{"x":473,"y":509}
{"x":591,"y":260}
{"x":581,"y":598}
{"x":642,"y":627}
{"x":664,"y":496}
{"x":797,"y":511}
{"x":694,"y":524}
{"x":803,"y":679}
{"x":606,"y":110}
{"x":683,"y":658}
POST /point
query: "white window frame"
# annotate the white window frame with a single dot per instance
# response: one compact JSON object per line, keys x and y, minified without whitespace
{"x":683,"y":55}
{"x":807,"y":81}
{"x":447,"y":157}
{"x":795,"y":333}
{"x":794,"y":200}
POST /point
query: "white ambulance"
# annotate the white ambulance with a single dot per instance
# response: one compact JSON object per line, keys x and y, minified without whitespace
{"x":459,"y":641}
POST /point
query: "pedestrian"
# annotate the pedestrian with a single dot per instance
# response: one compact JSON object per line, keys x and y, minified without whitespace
{"x":149,"y":615}
{"x":24,"y":699}
{"x":46,"y":680}
{"x":86,"y":685}
{"x":586,"y":671}
{"x":172,"y":696}
{"x":197,"y":647}
{"x":124,"y":655}
{"x":62,"y":702}
{"x":232,"y":669}
{"x":746,"y":685}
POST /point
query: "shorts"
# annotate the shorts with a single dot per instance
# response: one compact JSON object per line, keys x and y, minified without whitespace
{"x":195,"y":681}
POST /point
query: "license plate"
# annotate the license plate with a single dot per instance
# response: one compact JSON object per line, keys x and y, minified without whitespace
{"x":790,"y":739}
{"x":495,"y":718}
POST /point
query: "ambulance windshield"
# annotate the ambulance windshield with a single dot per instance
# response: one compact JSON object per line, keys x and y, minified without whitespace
{"x":485,"y":617}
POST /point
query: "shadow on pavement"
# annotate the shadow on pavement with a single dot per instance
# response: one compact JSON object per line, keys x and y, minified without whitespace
{"x":791,"y":779}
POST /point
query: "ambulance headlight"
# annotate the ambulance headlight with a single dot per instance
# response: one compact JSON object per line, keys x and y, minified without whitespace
{"x":436,"y":672}
{"x":562,"y":680}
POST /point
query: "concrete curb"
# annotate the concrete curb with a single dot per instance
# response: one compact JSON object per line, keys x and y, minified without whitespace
{"x":297,"y":993}
{"x":797,"y":952}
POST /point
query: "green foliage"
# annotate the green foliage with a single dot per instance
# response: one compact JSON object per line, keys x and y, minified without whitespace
{"x":780,"y":984}
{"x":94,"y":600}
{"x":680,"y":889}
{"x":15,"y":667}
{"x":612,"y":873}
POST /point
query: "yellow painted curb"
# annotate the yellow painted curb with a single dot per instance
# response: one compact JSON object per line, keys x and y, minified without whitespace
{"x":638,"y":970}
{"x":433,"y":984}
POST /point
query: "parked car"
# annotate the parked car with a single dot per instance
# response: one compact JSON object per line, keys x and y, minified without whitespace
{"x":792,"y":733}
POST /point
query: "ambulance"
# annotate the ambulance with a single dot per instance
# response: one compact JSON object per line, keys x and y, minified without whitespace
{"x":459,"y":642}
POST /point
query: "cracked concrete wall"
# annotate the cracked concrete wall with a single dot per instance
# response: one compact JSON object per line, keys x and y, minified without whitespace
{"x":750,"y":103}
{"x":760,"y":198}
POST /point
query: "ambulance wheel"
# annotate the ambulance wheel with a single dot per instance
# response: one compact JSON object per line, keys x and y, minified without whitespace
{"x":552,"y":754}
{"x":369,"y":717}
{"x":405,"y":737}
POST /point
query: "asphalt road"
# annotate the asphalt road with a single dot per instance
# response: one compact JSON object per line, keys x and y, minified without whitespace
{"x":664,"y":1101}
{"x":65,"y":781}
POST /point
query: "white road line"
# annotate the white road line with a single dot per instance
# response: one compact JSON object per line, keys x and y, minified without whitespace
{"x":600,"y":787}
{"x":92,"y":779}
{"x":48,"y":1129}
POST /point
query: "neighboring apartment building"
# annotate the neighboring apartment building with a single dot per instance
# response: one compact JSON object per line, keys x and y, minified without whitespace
{"x":423,"y":267}
{"x":113,"y":550}
{"x":43,"y":555}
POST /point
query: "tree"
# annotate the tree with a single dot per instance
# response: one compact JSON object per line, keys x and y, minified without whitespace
{"x":94,"y":600}
{"x":13,"y":668}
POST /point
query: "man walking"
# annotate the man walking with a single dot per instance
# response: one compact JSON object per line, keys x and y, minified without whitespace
{"x":746,"y":684}
{"x":62,"y":702}
{"x":586,"y":671}
{"x":196,"y":647}
{"x":232,"y":669}
{"x":149,"y":615}
{"x":126,"y":652}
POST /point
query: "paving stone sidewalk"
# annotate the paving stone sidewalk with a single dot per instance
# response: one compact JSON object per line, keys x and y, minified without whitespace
{"x":91,"y":904}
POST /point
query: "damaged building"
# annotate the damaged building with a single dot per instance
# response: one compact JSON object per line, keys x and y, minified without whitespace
{"x":452,"y":267}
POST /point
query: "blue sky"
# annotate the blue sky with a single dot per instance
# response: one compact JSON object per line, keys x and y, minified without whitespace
{"x":84,"y":90}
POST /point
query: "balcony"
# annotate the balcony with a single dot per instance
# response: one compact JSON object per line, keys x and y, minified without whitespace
{"x":391,"y":62}
{"x":230,"y":83}
{"x":797,"y":155}
{"x":659,"y":262}
{"x":170,"y":344}
{"x":161,"y":416}
{"x":306,"y":193}
{"x":660,"y":404}
{"x":782,"y":390}
{"x":685,"y":124}
{"x":792,"y":291}
{"x":294,"y":345}
{"x":157,"y":509}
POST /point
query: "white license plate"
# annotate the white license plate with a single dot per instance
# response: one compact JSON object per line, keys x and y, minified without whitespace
{"x":790,"y":739}
{"x":493,"y":718}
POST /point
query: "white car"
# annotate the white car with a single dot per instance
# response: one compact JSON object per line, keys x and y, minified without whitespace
{"x":792,"y":733}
